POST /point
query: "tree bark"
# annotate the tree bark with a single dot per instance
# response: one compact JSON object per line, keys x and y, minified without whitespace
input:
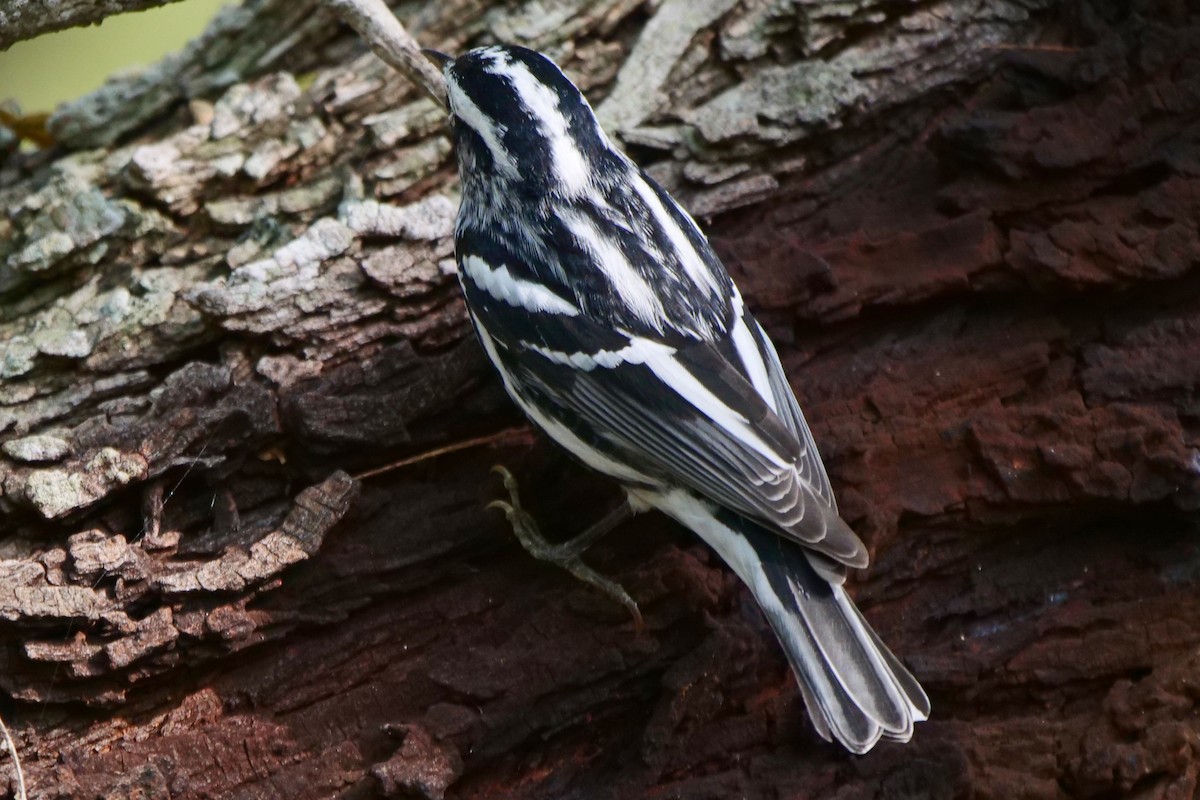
{"x":25,"y":19}
{"x":970,"y":227}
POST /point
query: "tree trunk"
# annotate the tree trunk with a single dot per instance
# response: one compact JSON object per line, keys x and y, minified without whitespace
{"x":971,"y":228}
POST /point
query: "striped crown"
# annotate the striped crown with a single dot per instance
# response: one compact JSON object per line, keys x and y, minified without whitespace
{"x":518,"y":118}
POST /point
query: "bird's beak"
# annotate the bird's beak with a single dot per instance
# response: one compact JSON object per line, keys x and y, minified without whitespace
{"x":437,"y":57}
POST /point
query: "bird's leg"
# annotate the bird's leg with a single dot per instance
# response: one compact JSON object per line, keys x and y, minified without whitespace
{"x":565,"y":555}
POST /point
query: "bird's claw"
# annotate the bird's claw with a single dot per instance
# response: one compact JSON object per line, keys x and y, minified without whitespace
{"x":499,"y":505}
{"x":510,"y":483}
{"x":565,"y":555}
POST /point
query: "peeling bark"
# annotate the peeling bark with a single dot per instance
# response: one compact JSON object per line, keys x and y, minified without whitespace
{"x":971,"y":228}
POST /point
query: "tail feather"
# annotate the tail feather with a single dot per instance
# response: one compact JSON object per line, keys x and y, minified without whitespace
{"x":908,"y":684}
{"x":856,"y":690}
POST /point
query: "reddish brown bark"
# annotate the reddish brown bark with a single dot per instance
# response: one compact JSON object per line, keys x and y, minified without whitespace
{"x":989,"y":308}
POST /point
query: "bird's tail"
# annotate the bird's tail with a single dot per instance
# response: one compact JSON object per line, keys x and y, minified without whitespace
{"x":856,"y":690}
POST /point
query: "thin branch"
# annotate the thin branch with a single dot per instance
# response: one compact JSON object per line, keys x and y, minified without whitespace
{"x":388,"y":39}
{"x":1032,"y":48}
{"x":12,"y":749}
{"x":467,"y":444}
{"x":32,"y":18}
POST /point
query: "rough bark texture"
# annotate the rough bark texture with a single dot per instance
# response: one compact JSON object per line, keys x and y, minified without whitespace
{"x":25,"y":19}
{"x":971,"y":227}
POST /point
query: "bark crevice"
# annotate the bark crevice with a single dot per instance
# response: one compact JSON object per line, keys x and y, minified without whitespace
{"x":971,"y":228}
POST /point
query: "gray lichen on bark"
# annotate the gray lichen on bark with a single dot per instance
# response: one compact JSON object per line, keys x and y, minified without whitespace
{"x":235,"y":276}
{"x":314,"y":216}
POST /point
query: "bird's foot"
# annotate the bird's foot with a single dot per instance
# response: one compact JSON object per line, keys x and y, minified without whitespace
{"x":565,"y":555}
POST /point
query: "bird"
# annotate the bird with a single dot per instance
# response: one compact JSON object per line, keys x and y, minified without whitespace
{"x":616,"y":329}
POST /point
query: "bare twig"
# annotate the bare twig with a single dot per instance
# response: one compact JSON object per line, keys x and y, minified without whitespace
{"x":376,"y":24}
{"x":32,"y":18}
{"x":1031,"y":48}
{"x":478,"y":441}
{"x":12,"y":750}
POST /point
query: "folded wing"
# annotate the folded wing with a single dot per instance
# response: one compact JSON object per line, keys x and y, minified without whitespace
{"x":688,"y":414}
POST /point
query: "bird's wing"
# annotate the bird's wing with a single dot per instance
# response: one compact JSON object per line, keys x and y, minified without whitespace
{"x":693,"y":414}
{"x":754,"y":356}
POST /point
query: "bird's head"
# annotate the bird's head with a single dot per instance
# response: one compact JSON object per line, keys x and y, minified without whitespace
{"x":517,"y":118}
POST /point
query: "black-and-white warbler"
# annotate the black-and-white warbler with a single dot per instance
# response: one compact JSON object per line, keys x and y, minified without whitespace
{"x":619,"y":333}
